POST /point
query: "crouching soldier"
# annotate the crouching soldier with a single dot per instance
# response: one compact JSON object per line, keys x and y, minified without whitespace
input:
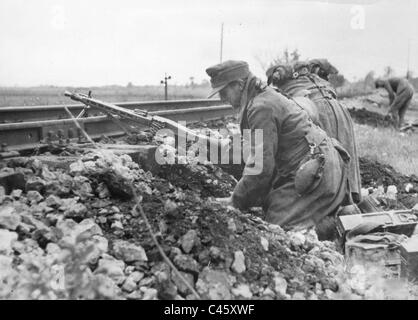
{"x":297,"y":81}
{"x":400,"y":95}
{"x":303,"y":172}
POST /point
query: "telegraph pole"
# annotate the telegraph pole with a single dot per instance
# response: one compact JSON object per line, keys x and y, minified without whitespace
{"x":165,"y":82}
{"x":222,"y":40}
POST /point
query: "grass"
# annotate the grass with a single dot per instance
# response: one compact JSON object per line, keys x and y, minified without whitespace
{"x":49,"y":95}
{"x":386,"y":145}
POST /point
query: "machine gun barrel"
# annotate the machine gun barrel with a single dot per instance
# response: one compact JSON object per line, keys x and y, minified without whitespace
{"x":111,"y":109}
{"x":142,"y":117}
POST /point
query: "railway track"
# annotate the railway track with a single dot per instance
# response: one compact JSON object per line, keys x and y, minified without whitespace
{"x":23,"y":129}
{"x":37,"y":113}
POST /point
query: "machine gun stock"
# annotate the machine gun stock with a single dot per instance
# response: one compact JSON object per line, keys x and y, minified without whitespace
{"x":144,"y":118}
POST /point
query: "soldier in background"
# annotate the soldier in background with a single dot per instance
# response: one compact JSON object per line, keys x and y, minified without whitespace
{"x":400,"y":95}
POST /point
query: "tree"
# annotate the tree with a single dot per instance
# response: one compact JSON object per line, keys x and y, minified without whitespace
{"x":192,"y":81}
{"x":409,"y":74}
{"x":286,"y":57}
{"x":295,"y":55}
{"x":369,"y":80}
{"x":267,"y":60}
{"x":388,"y":72}
{"x":337,"y":80}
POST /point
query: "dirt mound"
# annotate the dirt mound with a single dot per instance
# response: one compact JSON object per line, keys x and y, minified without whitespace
{"x":207,"y":180}
{"x":74,"y":220}
{"x":364,"y":116}
{"x":214,"y":124}
{"x":375,"y":174}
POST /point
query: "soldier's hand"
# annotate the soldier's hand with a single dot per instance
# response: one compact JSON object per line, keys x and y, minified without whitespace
{"x":225,"y":201}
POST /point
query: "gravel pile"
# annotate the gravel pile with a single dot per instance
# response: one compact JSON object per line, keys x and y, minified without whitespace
{"x":75,"y":234}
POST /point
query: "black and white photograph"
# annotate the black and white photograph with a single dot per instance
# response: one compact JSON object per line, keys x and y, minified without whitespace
{"x":186,"y":151}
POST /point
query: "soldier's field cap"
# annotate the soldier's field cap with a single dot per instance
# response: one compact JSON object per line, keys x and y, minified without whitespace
{"x":226,"y":72}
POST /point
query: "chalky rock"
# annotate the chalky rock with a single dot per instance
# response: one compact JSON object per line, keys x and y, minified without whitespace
{"x":35,"y":184}
{"x":130,"y":284}
{"x":53,"y":201}
{"x":409,"y":187}
{"x":170,"y":207}
{"x":238,"y":265}
{"x":166,"y":290}
{"x":6,"y":241}
{"x":313,"y":264}
{"x":215,"y":253}
{"x":280,"y":284}
{"x":9,"y":218}
{"x":100,"y":204}
{"x":72,"y":230}
{"x":391,"y":192}
{"x":187,"y":264}
{"x":112,"y":268}
{"x":149,"y":293}
{"x":27,"y":246}
{"x":214,"y":285}
{"x":105,"y":287}
{"x":79,"y":210}
{"x":5,"y":266}
{"x":136,"y":295}
{"x":68,"y":203}
{"x":268,"y":293}
{"x":2,"y":192}
{"x":297,"y":239}
{"x":174,"y":251}
{"x":311,"y":240}
{"x":34,"y":197}
{"x":81,"y":187}
{"x":181,"y":286}
{"x":136,"y":276}
{"x":242,"y":290}
{"x":16,"y":194}
{"x":129,"y":252}
{"x":77,"y":167}
{"x":98,"y":246}
{"x":264,"y":243}
{"x":117,"y":225}
{"x":298,"y":296}
{"x":231,"y":225}
{"x":161,"y":272}
{"x":102,"y":190}
{"x":147,"y":282}
{"x":189,"y":240}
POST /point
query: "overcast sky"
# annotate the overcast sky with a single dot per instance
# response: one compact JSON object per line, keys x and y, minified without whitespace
{"x":99,"y":42}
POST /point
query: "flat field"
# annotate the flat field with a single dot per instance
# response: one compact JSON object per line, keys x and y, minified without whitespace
{"x":377,"y":143}
{"x":50,"y":95}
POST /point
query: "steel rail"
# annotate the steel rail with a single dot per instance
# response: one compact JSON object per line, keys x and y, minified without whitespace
{"x":35,"y":113}
{"x":25,"y":136}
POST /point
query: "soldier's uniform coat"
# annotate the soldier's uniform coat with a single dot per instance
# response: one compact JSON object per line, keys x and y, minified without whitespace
{"x":286,"y":132}
{"x":333,"y":117}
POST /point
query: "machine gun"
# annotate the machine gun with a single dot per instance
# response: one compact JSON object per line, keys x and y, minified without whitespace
{"x":142,"y":117}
